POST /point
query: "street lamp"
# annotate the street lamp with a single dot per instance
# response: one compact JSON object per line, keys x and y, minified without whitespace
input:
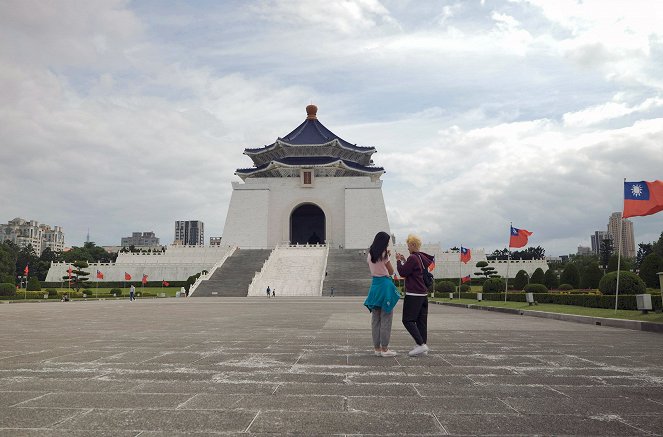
{"x":21,"y":280}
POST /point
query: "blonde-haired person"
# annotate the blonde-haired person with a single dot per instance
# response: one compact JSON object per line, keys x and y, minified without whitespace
{"x":415,"y":306}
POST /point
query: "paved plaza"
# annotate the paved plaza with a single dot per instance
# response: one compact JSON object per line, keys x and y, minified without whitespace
{"x":305,"y":366}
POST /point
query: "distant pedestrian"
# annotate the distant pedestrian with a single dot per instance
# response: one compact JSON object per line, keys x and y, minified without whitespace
{"x":382,"y":296}
{"x":274,"y":292}
{"x":332,"y":292}
{"x":132,"y":291}
{"x":268,"y":291}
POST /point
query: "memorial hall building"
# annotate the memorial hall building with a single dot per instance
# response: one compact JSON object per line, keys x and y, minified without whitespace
{"x":300,"y":220}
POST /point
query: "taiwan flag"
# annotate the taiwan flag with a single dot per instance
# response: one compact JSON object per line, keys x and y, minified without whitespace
{"x":100,"y":275}
{"x":26,"y":270}
{"x":465,"y":279}
{"x":165,"y":284}
{"x":518,"y":237}
{"x":465,"y":254}
{"x":127,"y":276}
{"x":431,"y":266}
{"x":144,"y":280}
{"x":642,"y":198}
{"x":69,"y":271}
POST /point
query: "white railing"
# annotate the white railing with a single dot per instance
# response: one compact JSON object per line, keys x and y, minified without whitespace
{"x":206,"y":276}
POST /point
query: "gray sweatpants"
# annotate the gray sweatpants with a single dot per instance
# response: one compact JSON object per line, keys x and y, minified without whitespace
{"x":381,"y":326}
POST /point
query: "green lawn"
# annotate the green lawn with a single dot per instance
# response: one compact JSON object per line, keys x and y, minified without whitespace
{"x":170,"y":291}
{"x":565,"y":309}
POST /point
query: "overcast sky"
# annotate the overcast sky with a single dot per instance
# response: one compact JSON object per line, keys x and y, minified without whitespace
{"x":122,"y":116}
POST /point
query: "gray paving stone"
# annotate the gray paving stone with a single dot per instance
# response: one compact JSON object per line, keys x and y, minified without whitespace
{"x":345,"y":423}
{"x":438,"y":405}
{"x":306,"y":366}
{"x":160,"y":420}
{"x":206,"y":387}
{"x":108,"y":400}
{"x":18,"y":417}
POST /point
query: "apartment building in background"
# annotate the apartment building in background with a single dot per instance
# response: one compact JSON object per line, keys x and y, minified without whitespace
{"x":24,"y":232}
{"x":141,"y":239}
{"x":628,"y":238}
{"x":189,"y":233}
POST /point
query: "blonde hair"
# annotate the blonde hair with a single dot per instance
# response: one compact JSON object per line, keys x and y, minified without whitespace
{"x":414,"y":240}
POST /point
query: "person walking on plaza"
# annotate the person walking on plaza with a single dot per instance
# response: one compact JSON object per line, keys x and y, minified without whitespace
{"x":332,"y":292}
{"x":273,"y":292}
{"x":132,"y":291}
{"x":268,"y":291}
{"x":382,"y":296}
{"x":415,"y":306}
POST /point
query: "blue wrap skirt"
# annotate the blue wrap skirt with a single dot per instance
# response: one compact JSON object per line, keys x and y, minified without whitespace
{"x":383,"y":294}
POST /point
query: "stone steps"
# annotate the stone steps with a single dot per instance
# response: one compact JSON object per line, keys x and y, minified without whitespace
{"x":235,"y":275}
{"x":347,"y":272}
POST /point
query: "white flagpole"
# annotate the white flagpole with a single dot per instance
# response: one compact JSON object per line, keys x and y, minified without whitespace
{"x":460,"y":273}
{"x":508,"y":261}
{"x":619,"y":257}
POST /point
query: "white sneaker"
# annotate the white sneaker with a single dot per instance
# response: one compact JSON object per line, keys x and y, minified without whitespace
{"x":426,"y":347}
{"x":378,"y":353}
{"x":388,"y":353}
{"x":418,"y":350}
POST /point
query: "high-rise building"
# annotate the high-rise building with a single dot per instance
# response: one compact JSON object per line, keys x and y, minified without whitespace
{"x":138,"y":239}
{"x":189,"y":233}
{"x":29,"y":232}
{"x":597,"y":238}
{"x":215,"y":241}
{"x":628,"y":239}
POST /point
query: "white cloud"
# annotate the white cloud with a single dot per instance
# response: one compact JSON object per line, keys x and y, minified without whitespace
{"x":609,"y":111}
{"x":122,"y":116}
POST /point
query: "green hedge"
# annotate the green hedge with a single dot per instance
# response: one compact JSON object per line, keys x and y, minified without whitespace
{"x":33,"y":284}
{"x":493,"y":285}
{"x":624,"y":301}
{"x":7,"y":289}
{"x":535,"y":288}
{"x":629,"y":283}
{"x":110,"y":284}
{"x":445,"y":287}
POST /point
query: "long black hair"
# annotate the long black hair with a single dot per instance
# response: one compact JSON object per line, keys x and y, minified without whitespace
{"x":378,"y":249}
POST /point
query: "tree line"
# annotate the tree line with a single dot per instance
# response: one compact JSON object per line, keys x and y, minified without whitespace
{"x":14,"y":259}
{"x":584,"y":271}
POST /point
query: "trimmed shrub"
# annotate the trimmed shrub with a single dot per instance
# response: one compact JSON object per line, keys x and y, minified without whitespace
{"x":591,"y":276}
{"x":650,"y":266}
{"x":52,"y":292}
{"x":465,"y":288}
{"x":629,"y":283}
{"x":445,"y":287}
{"x":116,"y":291}
{"x":33,"y":284}
{"x":570,"y":275}
{"x":550,"y":279}
{"x":493,"y":285}
{"x":7,"y":289}
{"x":565,"y":287}
{"x":520,"y":280}
{"x":535,"y":288}
{"x":538,"y":277}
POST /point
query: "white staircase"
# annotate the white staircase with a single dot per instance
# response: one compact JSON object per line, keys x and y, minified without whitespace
{"x":292,"y":271}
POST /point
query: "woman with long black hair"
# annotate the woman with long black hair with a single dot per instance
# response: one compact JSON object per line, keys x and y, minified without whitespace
{"x":382,"y":296}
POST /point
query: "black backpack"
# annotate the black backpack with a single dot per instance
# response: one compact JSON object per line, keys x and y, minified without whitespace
{"x":427,"y":276}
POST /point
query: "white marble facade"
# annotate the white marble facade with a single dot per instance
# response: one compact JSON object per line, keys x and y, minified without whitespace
{"x":260,"y":210}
